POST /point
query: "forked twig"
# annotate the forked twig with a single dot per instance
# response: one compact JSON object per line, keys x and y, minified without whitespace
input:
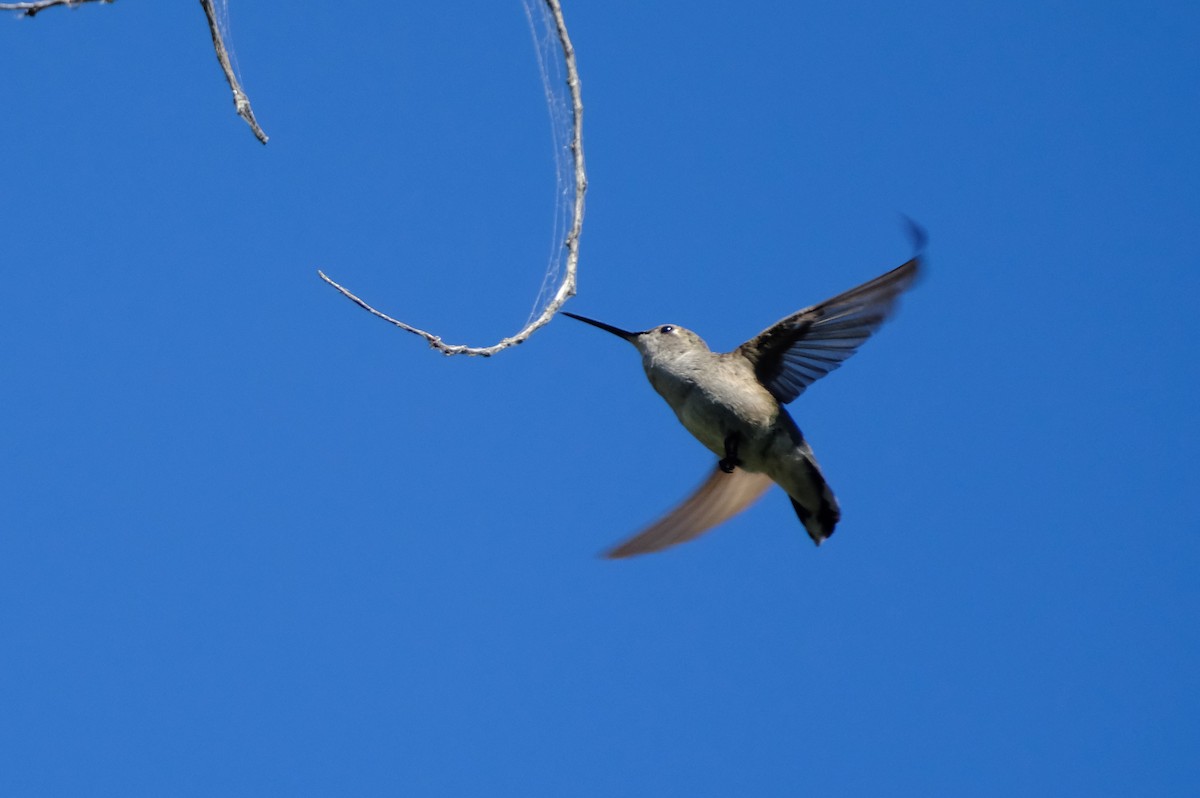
{"x":567,"y":288}
{"x":240,"y":101}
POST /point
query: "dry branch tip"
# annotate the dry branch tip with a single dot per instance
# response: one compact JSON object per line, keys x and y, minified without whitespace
{"x":566,"y":288}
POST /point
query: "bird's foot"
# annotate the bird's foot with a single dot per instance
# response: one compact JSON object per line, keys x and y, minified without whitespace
{"x":730,"y":460}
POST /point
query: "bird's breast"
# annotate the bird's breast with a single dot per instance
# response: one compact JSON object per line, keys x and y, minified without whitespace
{"x":718,"y":397}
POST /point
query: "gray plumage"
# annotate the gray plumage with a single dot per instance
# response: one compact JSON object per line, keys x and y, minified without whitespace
{"x":732,"y":403}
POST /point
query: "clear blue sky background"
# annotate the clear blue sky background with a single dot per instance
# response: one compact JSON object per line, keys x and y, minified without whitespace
{"x":254,"y":541}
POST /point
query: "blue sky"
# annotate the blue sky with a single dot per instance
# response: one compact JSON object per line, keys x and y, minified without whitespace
{"x":253,"y":541}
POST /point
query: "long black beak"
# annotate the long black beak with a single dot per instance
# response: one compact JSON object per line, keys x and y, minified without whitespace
{"x":628,"y":336}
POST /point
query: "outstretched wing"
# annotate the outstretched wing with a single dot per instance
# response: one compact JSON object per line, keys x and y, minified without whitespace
{"x":720,"y":498}
{"x":797,"y":351}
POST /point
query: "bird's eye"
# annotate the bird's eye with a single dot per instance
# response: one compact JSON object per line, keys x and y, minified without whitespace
{"x":666,"y":328}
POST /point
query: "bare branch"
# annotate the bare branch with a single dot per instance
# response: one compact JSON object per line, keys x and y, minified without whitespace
{"x":240,"y":101}
{"x":566,"y":288}
{"x":32,"y":9}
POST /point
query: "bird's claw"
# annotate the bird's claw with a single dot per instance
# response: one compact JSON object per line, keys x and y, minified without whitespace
{"x":730,"y":460}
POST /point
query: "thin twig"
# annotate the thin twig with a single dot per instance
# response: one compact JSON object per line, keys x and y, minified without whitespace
{"x":566,"y":289}
{"x":32,"y":9}
{"x":240,"y":101}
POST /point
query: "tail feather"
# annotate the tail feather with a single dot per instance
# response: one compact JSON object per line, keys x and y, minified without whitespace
{"x":818,"y":510}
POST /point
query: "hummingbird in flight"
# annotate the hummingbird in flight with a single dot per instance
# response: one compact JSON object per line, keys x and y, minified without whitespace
{"x":733,"y":403}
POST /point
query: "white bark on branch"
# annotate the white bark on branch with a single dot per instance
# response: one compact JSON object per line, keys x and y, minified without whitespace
{"x":566,"y":288}
{"x":31,"y":9}
{"x":240,"y":101}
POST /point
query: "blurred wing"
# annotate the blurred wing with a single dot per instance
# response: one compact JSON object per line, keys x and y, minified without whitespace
{"x":720,"y":498}
{"x":797,"y":351}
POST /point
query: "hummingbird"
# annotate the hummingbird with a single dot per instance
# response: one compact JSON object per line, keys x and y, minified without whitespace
{"x":733,"y":403}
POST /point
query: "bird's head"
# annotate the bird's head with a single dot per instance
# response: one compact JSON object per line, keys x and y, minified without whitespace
{"x":664,"y":342}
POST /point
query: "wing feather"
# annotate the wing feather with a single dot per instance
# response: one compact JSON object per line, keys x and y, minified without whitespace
{"x":796,"y":351}
{"x":721,"y":497}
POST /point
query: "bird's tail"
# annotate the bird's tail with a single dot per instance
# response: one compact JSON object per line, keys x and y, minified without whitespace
{"x":814,"y":502}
